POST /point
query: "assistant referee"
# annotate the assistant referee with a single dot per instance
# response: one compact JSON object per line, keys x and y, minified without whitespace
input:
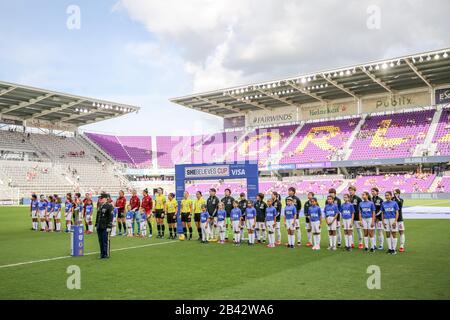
{"x":103,"y":224}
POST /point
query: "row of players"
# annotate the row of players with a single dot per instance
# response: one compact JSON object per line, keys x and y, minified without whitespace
{"x":370,"y":216}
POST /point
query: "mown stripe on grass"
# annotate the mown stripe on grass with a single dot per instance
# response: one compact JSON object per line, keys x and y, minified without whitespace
{"x":86,"y":254}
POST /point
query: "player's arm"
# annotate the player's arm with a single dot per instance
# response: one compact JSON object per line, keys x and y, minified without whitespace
{"x":337,"y":214}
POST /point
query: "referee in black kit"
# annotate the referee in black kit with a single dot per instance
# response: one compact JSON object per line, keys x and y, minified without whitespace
{"x":103,"y":224}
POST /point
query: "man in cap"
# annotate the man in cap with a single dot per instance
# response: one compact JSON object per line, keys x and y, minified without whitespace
{"x":103,"y":224}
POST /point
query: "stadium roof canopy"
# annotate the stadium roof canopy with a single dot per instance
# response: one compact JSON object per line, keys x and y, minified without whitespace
{"x":33,"y":105}
{"x":426,"y":69}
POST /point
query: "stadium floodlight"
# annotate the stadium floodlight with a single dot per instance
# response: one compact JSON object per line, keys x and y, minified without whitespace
{"x":308,"y":79}
{"x":428,"y":58}
{"x":445,"y":55}
{"x":377,"y":67}
{"x":335,"y":74}
{"x":421,"y":59}
{"x":303,"y":80}
{"x":384,"y":66}
{"x":348,"y":72}
{"x":436,"y":57}
{"x":391,"y":64}
{"x":370,"y":68}
{"x":341,"y":73}
{"x":398,"y":63}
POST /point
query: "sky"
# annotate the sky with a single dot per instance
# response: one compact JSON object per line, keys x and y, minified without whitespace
{"x":144,"y":52}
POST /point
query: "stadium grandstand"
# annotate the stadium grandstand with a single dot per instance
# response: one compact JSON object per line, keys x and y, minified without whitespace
{"x":383,"y":123}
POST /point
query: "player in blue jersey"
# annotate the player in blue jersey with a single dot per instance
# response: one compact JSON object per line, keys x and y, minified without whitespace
{"x":390,"y":213}
{"x":42,"y":208}
{"x":367,"y":217}
{"x":315,"y":218}
{"x":250,"y":222}
{"x":331,"y":212}
{"x":142,"y":223}
{"x":88,"y":211}
{"x":68,"y":212}
{"x":49,"y":213}
{"x":348,"y":214}
{"x":57,"y":212}
{"x":220,"y":222}
{"x":236,"y":217}
{"x":114,"y":222}
{"x":271,"y":223}
{"x":34,"y":212}
{"x":400,"y":222}
{"x":129,"y":221}
{"x":204,"y":223}
{"x":290,"y":215}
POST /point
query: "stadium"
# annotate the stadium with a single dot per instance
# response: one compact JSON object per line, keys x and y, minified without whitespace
{"x":381,"y":124}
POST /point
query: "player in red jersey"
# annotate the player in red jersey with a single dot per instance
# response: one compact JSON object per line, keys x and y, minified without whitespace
{"x":147,"y":206}
{"x":135,"y":205}
{"x":120,"y":205}
{"x":86,"y":200}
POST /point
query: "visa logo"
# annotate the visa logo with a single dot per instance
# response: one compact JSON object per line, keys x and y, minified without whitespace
{"x":238,"y":172}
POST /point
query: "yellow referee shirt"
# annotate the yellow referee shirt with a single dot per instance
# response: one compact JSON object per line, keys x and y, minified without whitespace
{"x":198,"y":205}
{"x":160,"y":200}
{"x":172,"y":205}
{"x":186,"y":205}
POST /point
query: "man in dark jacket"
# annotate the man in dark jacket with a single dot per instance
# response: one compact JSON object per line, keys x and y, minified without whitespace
{"x":103,"y":224}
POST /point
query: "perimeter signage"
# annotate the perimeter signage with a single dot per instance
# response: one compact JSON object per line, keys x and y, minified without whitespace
{"x":278,"y":116}
{"x":210,"y":171}
{"x":442,"y":96}
{"x":392,"y":102}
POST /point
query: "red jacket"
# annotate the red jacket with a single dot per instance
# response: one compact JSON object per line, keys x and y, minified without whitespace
{"x":135,"y":203}
{"x":147,"y":204}
{"x":121,"y":203}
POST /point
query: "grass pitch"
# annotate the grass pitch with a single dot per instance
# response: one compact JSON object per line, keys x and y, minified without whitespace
{"x":167,"y":269}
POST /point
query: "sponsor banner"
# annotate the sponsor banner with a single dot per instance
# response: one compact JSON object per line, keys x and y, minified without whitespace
{"x":277,"y":116}
{"x":11,"y":121}
{"x":313,"y":165}
{"x":442,"y":96}
{"x":393,"y":102}
{"x":36,"y":123}
{"x":207,"y":171}
{"x":327,"y":111}
{"x":234,"y":122}
{"x":280,"y":167}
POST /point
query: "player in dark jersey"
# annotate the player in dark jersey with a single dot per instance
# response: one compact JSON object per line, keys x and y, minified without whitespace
{"x":276,"y":200}
{"x":228,"y":203}
{"x":298,"y":205}
{"x":242,"y":205}
{"x":355,"y":200}
{"x":212,"y":205}
{"x":307,"y":220}
{"x":400,"y":222}
{"x":377,"y":201}
{"x":260,"y":207}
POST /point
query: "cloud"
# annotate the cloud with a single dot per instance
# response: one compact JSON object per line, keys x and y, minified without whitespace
{"x":224,"y":43}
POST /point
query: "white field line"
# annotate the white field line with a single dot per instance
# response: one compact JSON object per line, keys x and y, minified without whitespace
{"x":86,"y":254}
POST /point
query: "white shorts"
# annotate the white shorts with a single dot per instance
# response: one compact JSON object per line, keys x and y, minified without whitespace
{"x":338,"y":224}
{"x":236,"y":225}
{"x":388,"y":225}
{"x":57,"y":215}
{"x":379,"y":225}
{"x":68,"y":216}
{"x":347,"y":224}
{"x":307,"y":225}
{"x":297,"y":223}
{"x":278,"y":225}
{"x":357,"y":224}
{"x":114,"y":222}
{"x":289,"y":224}
{"x":315,"y":226}
{"x":42,"y":214}
{"x":269,"y":226}
{"x":143,"y":225}
{"x":34,"y":214}
{"x":89,"y":218}
{"x":331,"y":227}
{"x":401,"y":225}
{"x":367,"y":224}
{"x":221,"y":225}
{"x":129,"y":224}
{"x":80,"y":216}
{"x":204,"y":225}
{"x":261,"y":225}
{"x":249,"y":224}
